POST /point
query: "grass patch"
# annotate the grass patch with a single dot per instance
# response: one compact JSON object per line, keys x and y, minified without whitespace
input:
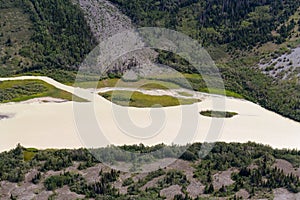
{"x":161,"y":82}
{"x":29,"y":153}
{"x":150,"y":86}
{"x":185,"y":94}
{"x":228,"y":93}
{"x":98,"y":84}
{"x":116,"y":82}
{"x":138,"y":99}
{"x":22,"y":90}
{"x":218,"y":114}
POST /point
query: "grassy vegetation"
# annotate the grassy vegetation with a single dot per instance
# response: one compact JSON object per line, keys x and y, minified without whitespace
{"x":138,"y":99}
{"x":22,"y":90}
{"x":185,"y":94}
{"x":163,"y":82}
{"x":218,"y":114}
{"x":151,"y":86}
{"x":96,"y":84}
{"x":196,"y":82}
{"x":228,"y":93}
{"x":29,"y":153}
{"x":118,"y":82}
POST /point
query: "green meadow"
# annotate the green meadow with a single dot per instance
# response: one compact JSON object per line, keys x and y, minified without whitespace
{"x":22,"y":90}
{"x":138,"y":99}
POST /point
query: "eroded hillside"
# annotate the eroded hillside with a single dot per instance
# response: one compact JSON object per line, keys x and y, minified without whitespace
{"x":229,"y":171}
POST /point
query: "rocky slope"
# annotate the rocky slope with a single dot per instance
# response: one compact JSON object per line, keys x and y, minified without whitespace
{"x":286,"y":66}
{"x":105,"y":21}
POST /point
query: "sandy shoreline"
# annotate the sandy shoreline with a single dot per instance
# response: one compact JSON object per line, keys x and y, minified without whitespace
{"x":56,"y":125}
{"x":45,"y":100}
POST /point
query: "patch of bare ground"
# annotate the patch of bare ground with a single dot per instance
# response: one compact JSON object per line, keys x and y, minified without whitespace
{"x":44,"y":195}
{"x":252,"y":166}
{"x":152,"y":183}
{"x":184,"y":166}
{"x":19,"y":191}
{"x":242,"y":193}
{"x":195,"y":188}
{"x":284,"y":194}
{"x":118,"y":184}
{"x":28,"y":190}
{"x":158,"y":164}
{"x":73,"y":168}
{"x":30,"y":175}
{"x":64,"y":193}
{"x":223,"y":178}
{"x":139,"y":176}
{"x":171,"y":191}
{"x":55,"y":173}
{"x":122,"y":166}
{"x":104,"y":18}
{"x":298,"y":172}
{"x":6,"y":189}
{"x":51,"y":173}
{"x":105,"y":21}
{"x":91,"y":174}
{"x":286,"y":167}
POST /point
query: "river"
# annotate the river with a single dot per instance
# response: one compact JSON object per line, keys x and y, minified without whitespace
{"x":99,"y":123}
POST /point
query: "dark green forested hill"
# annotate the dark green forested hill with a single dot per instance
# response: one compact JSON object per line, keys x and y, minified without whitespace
{"x":55,"y":36}
{"x":242,"y":24}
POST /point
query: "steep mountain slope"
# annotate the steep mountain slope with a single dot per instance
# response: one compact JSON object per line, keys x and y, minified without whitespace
{"x":104,"y":18}
{"x":54,"y":35}
{"x":238,"y":35}
{"x":106,"y":21}
{"x":15,"y":33}
{"x":241,"y":24}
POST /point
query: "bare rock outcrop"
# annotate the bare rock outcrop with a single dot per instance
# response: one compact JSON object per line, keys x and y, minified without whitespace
{"x":105,"y":21}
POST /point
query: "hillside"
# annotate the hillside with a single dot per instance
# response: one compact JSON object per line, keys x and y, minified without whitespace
{"x":229,"y":171}
{"x":245,"y":38}
{"x":248,"y":40}
{"x":240,"y":25}
{"x":36,"y":39}
{"x":254,"y":43}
